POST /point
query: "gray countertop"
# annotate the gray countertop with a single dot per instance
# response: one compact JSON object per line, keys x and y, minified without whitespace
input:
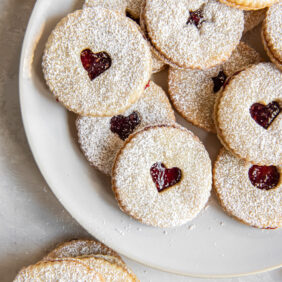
{"x":32,"y":220}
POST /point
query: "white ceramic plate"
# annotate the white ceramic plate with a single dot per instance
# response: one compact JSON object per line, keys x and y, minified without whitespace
{"x":213,"y":245}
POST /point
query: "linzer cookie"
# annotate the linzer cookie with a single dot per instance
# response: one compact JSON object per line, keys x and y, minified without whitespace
{"x":101,"y":138}
{"x":59,"y":270}
{"x":272,"y":34}
{"x":250,"y":193}
{"x":196,"y":34}
{"x":85,"y":65}
{"x":249,"y":4}
{"x":248,"y":115}
{"x":193,"y":92}
{"x":116,"y":5}
{"x":253,"y":18}
{"x":162,"y":176}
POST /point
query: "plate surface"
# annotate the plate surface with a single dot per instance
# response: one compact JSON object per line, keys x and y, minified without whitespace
{"x":212,"y":245}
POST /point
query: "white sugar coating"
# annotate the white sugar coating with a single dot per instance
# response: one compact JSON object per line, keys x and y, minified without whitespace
{"x":100,"y":145}
{"x":272,"y":30}
{"x":60,"y":270}
{"x":260,"y":83}
{"x":249,"y":4}
{"x":191,"y":91}
{"x":254,"y":206}
{"x":134,"y":7}
{"x":184,"y":44}
{"x":99,"y":30}
{"x":116,"y":5}
{"x":118,"y":261}
{"x":253,"y":18}
{"x":111,"y":272}
{"x":77,"y":248}
{"x":133,"y":185}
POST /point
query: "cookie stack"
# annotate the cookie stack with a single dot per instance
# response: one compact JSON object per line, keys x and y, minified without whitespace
{"x":98,"y":63}
{"x":79,"y":260}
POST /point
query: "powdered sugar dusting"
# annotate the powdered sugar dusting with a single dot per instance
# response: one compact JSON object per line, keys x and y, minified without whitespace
{"x":111,"y":272}
{"x":185,"y":44}
{"x":137,"y":193}
{"x":256,"y":207}
{"x":100,"y":145}
{"x":60,"y":270}
{"x":99,"y":30}
{"x":261,"y":83}
{"x":191,"y":91}
{"x":77,"y":248}
{"x":116,"y":5}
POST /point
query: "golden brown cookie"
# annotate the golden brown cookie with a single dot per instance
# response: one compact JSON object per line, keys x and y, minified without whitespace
{"x":248,"y":115}
{"x":196,"y":34}
{"x":162,"y":176}
{"x":250,"y":193}
{"x":86,"y":67}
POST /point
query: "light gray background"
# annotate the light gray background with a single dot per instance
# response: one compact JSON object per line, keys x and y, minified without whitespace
{"x":32,"y":220}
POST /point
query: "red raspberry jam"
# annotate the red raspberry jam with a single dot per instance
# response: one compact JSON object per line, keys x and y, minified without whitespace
{"x":95,"y":63}
{"x":164,"y":177}
{"x":264,"y":177}
{"x":265,"y":115}
{"x":124,"y":126}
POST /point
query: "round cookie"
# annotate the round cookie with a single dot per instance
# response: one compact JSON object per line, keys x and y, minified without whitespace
{"x":162,"y":176}
{"x":193,"y":92}
{"x":134,"y":8}
{"x":111,"y":272}
{"x":248,"y":115}
{"x":115,"y":5}
{"x":249,"y":4}
{"x":101,"y":138}
{"x":253,"y":18}
{"x":196,"y":34}
{"x":77,"y":248}
{"x":272,"y":34}
{"x":250,"y":193}
{"x":85,"y":65}
{"x":59,"y":270}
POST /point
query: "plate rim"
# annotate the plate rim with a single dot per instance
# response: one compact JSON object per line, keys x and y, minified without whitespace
{"x":23,"y":55}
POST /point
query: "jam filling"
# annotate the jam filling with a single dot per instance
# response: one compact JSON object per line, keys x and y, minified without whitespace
{"x":164,"y":177}
{"x":95,"y":63}
{"x":218,"y":81}
{"x":264,"y":177}
{"x":265,"y":115}
{"x":124,"y":126}
{"x":196,"y":18}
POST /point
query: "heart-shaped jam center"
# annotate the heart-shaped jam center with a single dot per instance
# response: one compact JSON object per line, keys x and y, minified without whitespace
{"x":218,"y":81}
{"x":265,"y":115}
{"x":95,"y":63}
{"x":196,"y":18}
{"x":147,"y":85}
{"x":124,"y":126}
{"x":264,"y":177}
{"x":165,"y":177}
